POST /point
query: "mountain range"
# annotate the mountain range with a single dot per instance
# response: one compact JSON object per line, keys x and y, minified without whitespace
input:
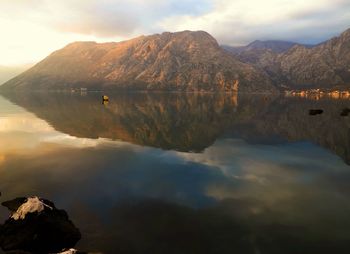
{"x":191,"y":61}
{"x":325,"y":65}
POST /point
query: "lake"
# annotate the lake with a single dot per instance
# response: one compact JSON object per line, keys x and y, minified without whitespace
{"x":183,"y":173}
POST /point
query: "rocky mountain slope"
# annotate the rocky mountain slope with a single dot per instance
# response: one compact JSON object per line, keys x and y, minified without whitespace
{"x":183,"y":61}
{"x":326,"y":65}
{"x":323,"y":66}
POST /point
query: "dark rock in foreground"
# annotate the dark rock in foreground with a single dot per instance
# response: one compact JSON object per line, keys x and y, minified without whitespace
{"x":44,"y":231}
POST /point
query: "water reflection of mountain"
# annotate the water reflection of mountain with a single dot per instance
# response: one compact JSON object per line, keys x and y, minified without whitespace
{"x":289,"y":118}
{"x":192,"y":122}
{"x":168,"y":121}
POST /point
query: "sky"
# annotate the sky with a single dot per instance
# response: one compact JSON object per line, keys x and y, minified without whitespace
{"x":32,"y":29}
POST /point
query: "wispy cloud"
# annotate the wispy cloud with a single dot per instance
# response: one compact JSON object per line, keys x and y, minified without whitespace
{"x":240,"y":21}
{"x":31,"y":29}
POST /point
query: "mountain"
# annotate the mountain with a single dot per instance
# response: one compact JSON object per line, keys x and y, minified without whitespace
{"x":325,"y":65}
{"x":6,"y":73}
{"x":191,"y":61}
{"x":183,"y":61}
{"x":273,"y":45}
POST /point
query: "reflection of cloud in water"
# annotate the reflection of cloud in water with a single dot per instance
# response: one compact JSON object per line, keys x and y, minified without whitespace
{"x":21,"y":130}
{"x":24,"y":130}
{"x":239,"y":159}
{"x":24,"y":122}
{"x":110,"y":181}
{"x":282,"y":177}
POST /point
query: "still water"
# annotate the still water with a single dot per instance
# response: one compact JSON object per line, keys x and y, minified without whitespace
{"x":175,"y":173}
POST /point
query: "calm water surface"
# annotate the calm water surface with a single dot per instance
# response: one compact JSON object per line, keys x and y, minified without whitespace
{"x":175,"y":173}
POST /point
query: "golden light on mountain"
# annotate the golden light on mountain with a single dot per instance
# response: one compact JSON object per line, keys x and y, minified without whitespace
{"x":182,"y":61}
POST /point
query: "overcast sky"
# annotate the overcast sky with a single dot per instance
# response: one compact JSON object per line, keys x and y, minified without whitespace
{"x":31,"y":29}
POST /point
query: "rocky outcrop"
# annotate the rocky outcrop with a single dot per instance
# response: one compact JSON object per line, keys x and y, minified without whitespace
{"x":183,"y":61}
{"x":37,"y":226}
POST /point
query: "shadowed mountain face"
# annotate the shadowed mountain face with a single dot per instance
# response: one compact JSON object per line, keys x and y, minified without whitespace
{"x":193,"y":122}
{"x":273,"y":45}
{"x":301,"y":66}
{"x":183,"y":61}
{"x":326,"y":65}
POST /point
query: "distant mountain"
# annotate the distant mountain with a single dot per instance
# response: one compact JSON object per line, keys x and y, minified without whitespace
{"x":273,"y":45}
{"x":325,"y":65}
{"x":7,"y":73}
{"x":183,"y":61}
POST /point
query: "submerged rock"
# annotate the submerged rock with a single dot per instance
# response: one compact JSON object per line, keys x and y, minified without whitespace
{"x":313,"y":112}
{"x":36,"y":225}
{"x":345,"y":112}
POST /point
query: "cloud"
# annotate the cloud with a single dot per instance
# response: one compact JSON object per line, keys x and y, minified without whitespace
{"x":239,"y":22}
{"x":231,"y":21}
{"x":104,"y":18}
{"x":97,"y":20}
{"x":31,"y":29}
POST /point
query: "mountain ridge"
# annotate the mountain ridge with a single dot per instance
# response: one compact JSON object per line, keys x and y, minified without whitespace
{"x":182,"y":61}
